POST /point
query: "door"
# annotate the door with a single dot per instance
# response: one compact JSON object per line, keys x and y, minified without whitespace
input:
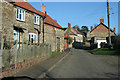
{"x":17,"y":37}
{"x":58,"y":43}
{"x":99,"y":42}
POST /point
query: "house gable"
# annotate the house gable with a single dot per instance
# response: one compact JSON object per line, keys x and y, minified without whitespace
{"x":101,"y":28}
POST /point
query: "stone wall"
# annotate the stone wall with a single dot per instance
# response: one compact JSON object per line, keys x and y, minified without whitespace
{"x":60,"y":33}
{"x":9,"y":21}
{"x":50,"y":37}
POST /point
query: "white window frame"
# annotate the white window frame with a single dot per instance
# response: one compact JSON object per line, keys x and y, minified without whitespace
{"x":34,"y":37}
{"x":22,"y":14}
{"x":36,"y":19}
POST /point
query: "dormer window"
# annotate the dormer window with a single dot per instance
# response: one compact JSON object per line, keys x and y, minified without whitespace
{"x":36,"y":19}
{"x":20,"y":14}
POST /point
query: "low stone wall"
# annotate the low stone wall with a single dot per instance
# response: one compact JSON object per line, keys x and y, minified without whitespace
{"x":21,"y":66}
{"x":13,"y":59}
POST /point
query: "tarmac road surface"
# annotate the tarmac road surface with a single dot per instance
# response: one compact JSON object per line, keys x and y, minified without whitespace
{"x":81,"y":64}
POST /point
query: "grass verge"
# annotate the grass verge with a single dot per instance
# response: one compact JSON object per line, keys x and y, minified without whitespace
{"x":105,"y":51}
{"x":55,"y":54}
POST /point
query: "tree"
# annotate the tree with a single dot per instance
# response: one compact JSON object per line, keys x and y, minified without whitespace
{"x":69,"y":40}
{"x":76,"y":27}
{"x":84,"y":30}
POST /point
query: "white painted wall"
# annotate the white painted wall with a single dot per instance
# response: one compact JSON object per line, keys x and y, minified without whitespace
{"x":99,"y":42}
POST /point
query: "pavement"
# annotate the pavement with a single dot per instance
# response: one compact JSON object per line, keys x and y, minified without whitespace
{"x":39,"y":70}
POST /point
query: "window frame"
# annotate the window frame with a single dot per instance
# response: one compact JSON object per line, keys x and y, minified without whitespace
{"x":34,"y":37}
{"x":20,"y":11}
{"x":36,"y":19}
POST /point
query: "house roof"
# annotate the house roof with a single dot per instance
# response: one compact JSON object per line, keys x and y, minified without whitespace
{"x":70,"y":33}
{"x":77,"y":31}
{"x":26,"y":5}
{"x":103,"y":25}
{"x":49,"y":20}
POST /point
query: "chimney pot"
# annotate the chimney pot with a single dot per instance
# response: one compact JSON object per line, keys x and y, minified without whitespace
{"x":91,"y":28}
{"x":114,"y":29}
{"x":69,"y":26}
{"x":101,"y":20}
{"x":43,"y":8}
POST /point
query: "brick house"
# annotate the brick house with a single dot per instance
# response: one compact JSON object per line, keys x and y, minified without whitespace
{"x":22,"y":22}
{"x":99,"y":33}
{"x":74,"y":34}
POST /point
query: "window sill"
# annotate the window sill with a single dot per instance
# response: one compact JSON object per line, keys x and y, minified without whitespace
{"x":36,"y":24}
{"x":20,"y":20}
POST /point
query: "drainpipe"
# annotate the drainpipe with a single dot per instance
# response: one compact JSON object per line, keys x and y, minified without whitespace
{"x":43,"y":24}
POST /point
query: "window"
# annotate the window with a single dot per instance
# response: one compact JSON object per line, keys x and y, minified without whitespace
{"x":36,"y":19}
{"x":32,"y":37}
{"x":20,"y":14}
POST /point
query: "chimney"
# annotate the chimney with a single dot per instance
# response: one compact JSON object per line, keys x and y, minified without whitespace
{"x":114,"y":29}
{"x":91,"y":28}
{"x":102,"y":20}
{"x":76,"y":27}
{"x":43,"y":8}
{"x":69,"y":26}
{"x":25,"y":0}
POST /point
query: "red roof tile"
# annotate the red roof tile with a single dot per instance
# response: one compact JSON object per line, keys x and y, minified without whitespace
{"x":76,"y":31}
{"x":70,"y":33}
{"x":49,"y":20}
{"x":29,"y":7}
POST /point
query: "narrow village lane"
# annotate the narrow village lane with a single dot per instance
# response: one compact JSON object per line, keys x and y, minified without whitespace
{"x":81,"y":64}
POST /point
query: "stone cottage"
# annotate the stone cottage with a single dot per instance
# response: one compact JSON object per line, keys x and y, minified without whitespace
{"x":22,"y":22}
{"x":99,"y":33}
{"x":53,"y":32}
{"x":74,"y":34}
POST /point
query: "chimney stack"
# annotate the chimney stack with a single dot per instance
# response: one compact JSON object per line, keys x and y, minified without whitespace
{"x":102,"y":20}
{"x":114,"y":29}
{"x":69,"y":26}
{"x":91,"y":28}
{"x":43,"y":8}
{"x":25,"y":0}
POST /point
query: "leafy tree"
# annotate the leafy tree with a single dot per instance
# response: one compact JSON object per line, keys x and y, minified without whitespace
{"x":69,"y":40}
{"x":84,"y":30}
{"x":77,"y":27}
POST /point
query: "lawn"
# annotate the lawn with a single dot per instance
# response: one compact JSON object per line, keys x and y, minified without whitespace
{"x":55,"y":54}
{"x":105,"y":51}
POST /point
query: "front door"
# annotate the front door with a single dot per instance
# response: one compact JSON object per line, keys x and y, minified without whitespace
{"x":17,"y":37}
{"x":58,"y":43}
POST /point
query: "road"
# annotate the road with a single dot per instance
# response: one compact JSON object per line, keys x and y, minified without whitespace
{"x":81,"y":64}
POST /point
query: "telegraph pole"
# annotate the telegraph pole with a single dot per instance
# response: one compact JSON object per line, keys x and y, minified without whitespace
{"x":109,"y":38}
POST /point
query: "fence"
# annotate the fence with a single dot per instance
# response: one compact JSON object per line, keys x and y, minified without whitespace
{"x":11,"y":55}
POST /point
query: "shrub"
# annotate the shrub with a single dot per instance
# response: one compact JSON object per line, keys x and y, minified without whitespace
{"x":93,"y":46}
{"x":116,"y":43}
{"x":69,"y":40}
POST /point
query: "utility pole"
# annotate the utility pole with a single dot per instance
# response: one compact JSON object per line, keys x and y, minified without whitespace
{"x":109,"y":38}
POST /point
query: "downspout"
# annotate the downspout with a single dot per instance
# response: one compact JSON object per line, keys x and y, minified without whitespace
{"x":43,"y":25}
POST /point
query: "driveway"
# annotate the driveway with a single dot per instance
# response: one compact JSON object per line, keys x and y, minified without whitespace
{"x":81,"y":64}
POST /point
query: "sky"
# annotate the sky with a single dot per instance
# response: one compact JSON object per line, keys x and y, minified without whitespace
{"x":80,"y":13}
